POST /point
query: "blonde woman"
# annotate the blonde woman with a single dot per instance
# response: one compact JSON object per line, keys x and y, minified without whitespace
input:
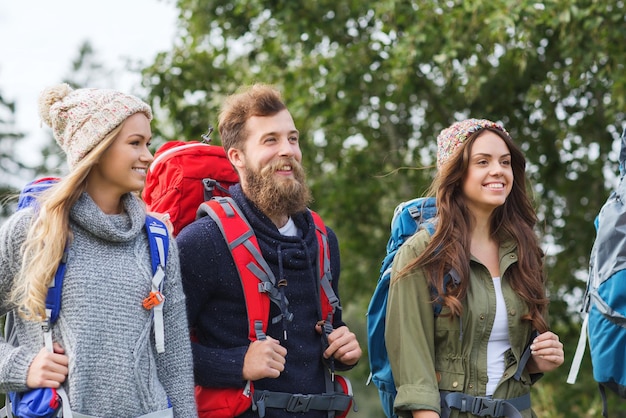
{"x":104,"y":350}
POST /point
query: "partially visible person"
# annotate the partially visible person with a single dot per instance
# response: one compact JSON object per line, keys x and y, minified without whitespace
{"x":262,"y":142}
{"x":485,"y":263}
{"x":104,"y":346}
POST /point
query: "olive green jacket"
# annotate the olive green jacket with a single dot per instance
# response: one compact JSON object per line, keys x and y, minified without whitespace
{"x":429,"y":354}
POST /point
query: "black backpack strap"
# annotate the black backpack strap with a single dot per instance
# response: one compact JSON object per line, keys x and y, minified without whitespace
{"x":299,"y":403}
{"x":483,"y":406}
{"x":524,"y":360}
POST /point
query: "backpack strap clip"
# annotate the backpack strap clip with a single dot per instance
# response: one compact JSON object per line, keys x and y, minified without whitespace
{"x":154,"y":299}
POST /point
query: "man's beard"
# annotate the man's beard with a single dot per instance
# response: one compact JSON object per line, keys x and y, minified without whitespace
{"x":278,"y":196}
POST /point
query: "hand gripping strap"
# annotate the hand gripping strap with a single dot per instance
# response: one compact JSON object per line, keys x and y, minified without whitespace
{"x":159,"y":245}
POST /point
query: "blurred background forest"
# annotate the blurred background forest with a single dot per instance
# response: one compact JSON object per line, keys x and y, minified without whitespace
{"x":370,"y":85}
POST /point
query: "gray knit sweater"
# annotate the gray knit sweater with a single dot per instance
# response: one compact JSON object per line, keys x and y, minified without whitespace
{"x":114,"y":369}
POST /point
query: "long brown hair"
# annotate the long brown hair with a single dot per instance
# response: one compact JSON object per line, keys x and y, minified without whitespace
{"x":514,"y":220}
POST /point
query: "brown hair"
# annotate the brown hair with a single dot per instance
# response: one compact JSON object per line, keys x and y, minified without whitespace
{"x":255,"y":100}
{"x":514,"y":220}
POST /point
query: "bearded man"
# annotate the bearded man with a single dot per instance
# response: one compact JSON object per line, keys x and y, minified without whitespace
{"x":289,"y":369}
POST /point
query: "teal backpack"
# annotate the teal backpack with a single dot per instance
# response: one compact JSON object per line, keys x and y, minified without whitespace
{"x":604,"y":301}
{"x":408,"y":217}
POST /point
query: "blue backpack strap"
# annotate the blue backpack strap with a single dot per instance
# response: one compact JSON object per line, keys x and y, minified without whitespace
{"x":29,"y":193}
{"x":28,"y":198}
{"x":159,"y":242}
{"x":53,"y":299}
{"x":158,"y":237}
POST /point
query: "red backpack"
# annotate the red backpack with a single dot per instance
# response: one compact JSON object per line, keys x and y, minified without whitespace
{"x":185,"y":174}
{"x":188,"y":180}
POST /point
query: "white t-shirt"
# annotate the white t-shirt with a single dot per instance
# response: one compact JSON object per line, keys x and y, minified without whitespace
{"x":498,"y":341}
{"x":289,"y":229}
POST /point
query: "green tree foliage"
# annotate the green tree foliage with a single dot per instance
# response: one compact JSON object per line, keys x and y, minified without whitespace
{"x":85,"y":70}
{"x":371,"y":84}
{"x":10,"y":166}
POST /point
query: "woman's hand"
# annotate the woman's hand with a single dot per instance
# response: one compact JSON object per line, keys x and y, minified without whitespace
{"x":547,"y":353}
{"x":48,"y":370}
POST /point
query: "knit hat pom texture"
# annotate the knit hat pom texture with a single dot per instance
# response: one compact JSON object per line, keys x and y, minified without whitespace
{"x":80,"y":119}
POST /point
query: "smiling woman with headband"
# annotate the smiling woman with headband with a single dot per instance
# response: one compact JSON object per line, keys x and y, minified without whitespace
{"x":471,"y":359}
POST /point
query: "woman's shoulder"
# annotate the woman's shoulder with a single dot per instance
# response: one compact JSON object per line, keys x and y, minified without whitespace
{"x":417,"y":243}
{"x":17,"y":225}
{"x":13,"y":233}
{"x":411,"y":249}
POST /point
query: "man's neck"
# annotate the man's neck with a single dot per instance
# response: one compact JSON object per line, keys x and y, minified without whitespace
{"x":280,"y":220}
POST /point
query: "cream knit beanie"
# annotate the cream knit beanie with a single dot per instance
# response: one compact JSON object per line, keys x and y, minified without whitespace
{"x":81,"y":118}
{"x":451,"y":138}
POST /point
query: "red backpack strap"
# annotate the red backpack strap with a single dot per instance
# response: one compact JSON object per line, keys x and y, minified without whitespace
{"x":328,"y":299}
{"x":255,"y":274}
{"x":257,"y":279}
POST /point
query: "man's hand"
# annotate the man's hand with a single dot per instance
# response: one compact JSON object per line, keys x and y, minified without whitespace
{"x":264,"y":359}
{"x":342,"y":345}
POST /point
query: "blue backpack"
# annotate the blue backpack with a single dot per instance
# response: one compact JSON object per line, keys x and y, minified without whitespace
{"x":50,"y":402}
{"x":604,"y":302}
{"x":408,"y":217}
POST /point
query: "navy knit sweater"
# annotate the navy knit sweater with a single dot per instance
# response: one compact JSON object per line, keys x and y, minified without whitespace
{"x":217,"y":311}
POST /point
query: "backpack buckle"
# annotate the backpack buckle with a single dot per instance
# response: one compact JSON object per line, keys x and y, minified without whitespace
{"x":154,"y":299}
{"x":486,"y":407}
{"x":45,"y":325}
{"x":298,"y":403}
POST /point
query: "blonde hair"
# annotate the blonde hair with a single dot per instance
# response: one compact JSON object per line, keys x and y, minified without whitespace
{"x":49,"y":233}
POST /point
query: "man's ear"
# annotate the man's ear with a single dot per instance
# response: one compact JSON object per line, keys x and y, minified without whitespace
{"x":236,"y":158}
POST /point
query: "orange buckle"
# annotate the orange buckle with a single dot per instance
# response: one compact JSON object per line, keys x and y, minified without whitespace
{"x":153,"y":300}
